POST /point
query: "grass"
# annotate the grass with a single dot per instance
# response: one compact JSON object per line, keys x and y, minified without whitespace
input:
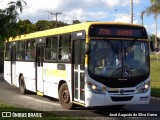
{"x":45,"y":116}
{"x":155,"y":75}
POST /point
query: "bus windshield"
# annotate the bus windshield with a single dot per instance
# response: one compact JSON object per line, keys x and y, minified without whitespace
{"x":118,"y":58}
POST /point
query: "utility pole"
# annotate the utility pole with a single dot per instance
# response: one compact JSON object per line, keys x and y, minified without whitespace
{"x":142,"y":14}
{"x":56,"y":14}
{"x":48,"y":15}
{"x":131,"y":14}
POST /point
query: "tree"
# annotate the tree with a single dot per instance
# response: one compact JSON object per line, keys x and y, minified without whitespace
{"x":8,"y":20}
{"x":61,"y":24}
{"x":42,"y":25}
{"x":154,"y":9}
{"x":155,"y":1}
{"x":45,"y":25}
{"x":75,"y":22}
{"x":25,"y":26}
{"x":153,"y":41}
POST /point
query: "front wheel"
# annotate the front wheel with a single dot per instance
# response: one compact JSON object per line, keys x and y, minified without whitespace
{"x":64,"y":97}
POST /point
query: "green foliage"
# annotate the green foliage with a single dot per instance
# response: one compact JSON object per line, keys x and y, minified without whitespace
{"x":25,"y":26}
{"x":61,"y":24}
{"x":42,"y":25}
{"x":153,"y":39}
{"x":45,"y":25}
{"x":75,"y":22}
{"x":12,"y":26}
{"x":8,"y":20}
{"x":155,"y":76}
{"x":153,"y":9}
{"x":155,"y":2}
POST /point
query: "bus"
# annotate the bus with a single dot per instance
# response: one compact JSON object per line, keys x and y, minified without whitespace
{"x":87,"y":64}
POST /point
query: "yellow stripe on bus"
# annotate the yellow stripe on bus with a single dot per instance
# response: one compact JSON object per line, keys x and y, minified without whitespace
{"x":40,"y":93}
{"x":56,"y":73}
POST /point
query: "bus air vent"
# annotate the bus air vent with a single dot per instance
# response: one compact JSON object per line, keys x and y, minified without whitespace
{"x":128,"y":98}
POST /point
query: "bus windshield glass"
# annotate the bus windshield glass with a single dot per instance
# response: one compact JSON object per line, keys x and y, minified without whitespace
{"x":118,"y":58}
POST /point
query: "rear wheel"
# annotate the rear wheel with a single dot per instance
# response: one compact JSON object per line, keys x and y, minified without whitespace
{"x":64,"y":97}
{"x":22,"y":85}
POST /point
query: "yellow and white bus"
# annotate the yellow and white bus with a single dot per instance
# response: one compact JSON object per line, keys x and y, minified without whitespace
{"x":89,"y":64}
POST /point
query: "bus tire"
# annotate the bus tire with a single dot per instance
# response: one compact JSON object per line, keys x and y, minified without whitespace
{"x":64,"y":97}
{"x":22,"y":85}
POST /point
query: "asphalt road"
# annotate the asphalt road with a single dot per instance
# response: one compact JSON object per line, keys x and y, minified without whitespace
{"x":11,"y":94}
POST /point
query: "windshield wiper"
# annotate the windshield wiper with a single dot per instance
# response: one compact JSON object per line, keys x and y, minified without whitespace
{"x":116,"y":50}
{"x":130,"y":46}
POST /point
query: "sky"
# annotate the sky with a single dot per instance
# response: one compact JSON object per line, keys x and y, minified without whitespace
{"x":87,"y":10}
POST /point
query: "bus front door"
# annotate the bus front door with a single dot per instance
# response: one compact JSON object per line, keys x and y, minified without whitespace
{"x":78,"y":66}
{"x":13,"y":65}
{"x":39,"y":69}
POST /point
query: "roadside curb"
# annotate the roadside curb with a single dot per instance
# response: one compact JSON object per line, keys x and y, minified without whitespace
{"x":155,"y":98}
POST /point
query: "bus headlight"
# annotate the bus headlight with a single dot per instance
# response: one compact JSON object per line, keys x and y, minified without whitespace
{"x":95,"y":88}
{"x":144,"y":88}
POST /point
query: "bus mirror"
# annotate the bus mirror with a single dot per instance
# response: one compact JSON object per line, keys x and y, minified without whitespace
{"x":152,"y":46}
{"x":87,"y":46}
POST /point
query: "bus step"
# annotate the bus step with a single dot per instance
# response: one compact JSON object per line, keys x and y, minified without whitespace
{"x":40,"y":93}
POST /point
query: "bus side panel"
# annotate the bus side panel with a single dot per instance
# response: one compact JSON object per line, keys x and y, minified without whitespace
{"x":92,"y":99}
{"x":52,"y":76}
{"x":7,"y":71}
{"x":28,"y":71}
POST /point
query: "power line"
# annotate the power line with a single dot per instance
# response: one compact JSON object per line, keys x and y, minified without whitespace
{"x":56,"y":14}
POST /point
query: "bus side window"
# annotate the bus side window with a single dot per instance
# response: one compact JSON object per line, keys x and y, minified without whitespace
{"x":21,"y":50}
{"x":65,"y":48}
{"x":8,"y":51}
{"x":82,"y":54}
{"x":51,"y":48}
{"x":30,"y":50}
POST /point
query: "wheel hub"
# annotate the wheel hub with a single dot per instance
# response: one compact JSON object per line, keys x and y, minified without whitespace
{"x":65,"y":96}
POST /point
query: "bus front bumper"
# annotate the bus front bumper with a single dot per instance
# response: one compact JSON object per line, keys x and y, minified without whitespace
{"x":93,"y":99}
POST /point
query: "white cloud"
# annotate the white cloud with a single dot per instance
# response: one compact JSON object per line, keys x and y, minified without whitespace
{"x":125,"y":19}
{"x":151,"y":29}
{"x":69,"y":16}
{"x":113,"y":3}
{"x":3,"y":3}
{"x":79,"y":14}
{"x":83,"y":10}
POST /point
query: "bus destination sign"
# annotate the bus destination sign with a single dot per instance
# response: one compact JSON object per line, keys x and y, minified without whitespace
{"x":106,"y":31}
{"x":118,"y":31}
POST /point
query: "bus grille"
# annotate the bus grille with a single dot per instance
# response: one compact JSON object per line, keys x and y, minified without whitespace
{"x":128,"y":98}
{"x":125,"y":91}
